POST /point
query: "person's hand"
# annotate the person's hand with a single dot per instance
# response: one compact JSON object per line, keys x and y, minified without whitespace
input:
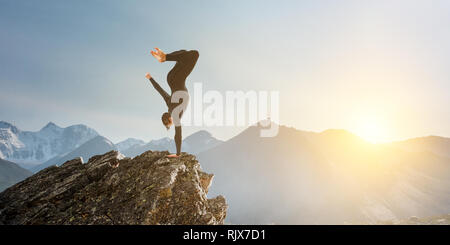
{"x":159,"y":55}
{"x":172,"y":156}
{"x":148,"y":76}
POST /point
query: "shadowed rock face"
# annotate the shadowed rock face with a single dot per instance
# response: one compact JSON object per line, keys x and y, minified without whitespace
{"x":149,"y":189}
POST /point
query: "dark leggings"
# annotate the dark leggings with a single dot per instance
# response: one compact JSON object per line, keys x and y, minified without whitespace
{"x":176,"y":79}
{"x":185,"y":62}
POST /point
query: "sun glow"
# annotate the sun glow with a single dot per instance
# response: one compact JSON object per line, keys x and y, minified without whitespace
{"x":372,"y":130}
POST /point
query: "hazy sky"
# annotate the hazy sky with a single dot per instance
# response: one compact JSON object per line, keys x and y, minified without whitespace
{"x":356,"y":65}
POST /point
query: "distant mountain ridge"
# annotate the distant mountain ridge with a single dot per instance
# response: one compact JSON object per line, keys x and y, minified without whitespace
{"x":96,"y":146}
{"x":435,"y":144}
{"x":51,"y":144}
{"x":11,"y":173}
{"x":195,"y":143}
{"x":28,"y":148}
{"x":331,"y":177}
{"x":327,"y":177}
{"x":123,"y":145}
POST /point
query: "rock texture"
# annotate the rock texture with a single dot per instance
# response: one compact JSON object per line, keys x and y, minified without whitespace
{"x":110,"y":189}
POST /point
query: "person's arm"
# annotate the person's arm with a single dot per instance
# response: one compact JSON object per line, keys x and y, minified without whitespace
{"x":178,"y":139}
{"x":161,"y":91}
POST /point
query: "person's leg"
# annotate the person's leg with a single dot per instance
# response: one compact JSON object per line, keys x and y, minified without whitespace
{"x":186,"y":61}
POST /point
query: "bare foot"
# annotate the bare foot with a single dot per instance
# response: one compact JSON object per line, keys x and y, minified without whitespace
{"x":159,"y":55}
{"x":173,"y":156}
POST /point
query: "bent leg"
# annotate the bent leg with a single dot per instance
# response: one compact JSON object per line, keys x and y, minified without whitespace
{"x":186,"y":61}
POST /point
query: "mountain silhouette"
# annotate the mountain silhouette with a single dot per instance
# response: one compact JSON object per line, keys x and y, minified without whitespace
{"x":197,"y":142}
{"x":11,"y":173}
{"x":332,"y":177}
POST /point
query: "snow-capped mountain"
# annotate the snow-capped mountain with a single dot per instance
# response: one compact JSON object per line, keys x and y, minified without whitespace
{"x":9,"y":140}
{"x":28,"y":148}
{"x":123,"y":145}
{"x":96,"y":146}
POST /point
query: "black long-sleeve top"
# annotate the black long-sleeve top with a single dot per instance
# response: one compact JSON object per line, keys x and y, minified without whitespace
{"x":176,"y":78}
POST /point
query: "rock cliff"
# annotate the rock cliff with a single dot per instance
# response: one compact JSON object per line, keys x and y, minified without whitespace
{"x":110,"y":189}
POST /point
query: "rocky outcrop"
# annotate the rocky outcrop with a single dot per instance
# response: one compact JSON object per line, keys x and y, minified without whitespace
{"x":110,"y":189}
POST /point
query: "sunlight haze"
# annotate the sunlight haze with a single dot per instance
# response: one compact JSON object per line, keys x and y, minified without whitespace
{"x":378,"y":69}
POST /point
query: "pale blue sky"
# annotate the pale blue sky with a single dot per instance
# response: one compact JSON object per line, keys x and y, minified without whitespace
{"x":337,"y":64}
